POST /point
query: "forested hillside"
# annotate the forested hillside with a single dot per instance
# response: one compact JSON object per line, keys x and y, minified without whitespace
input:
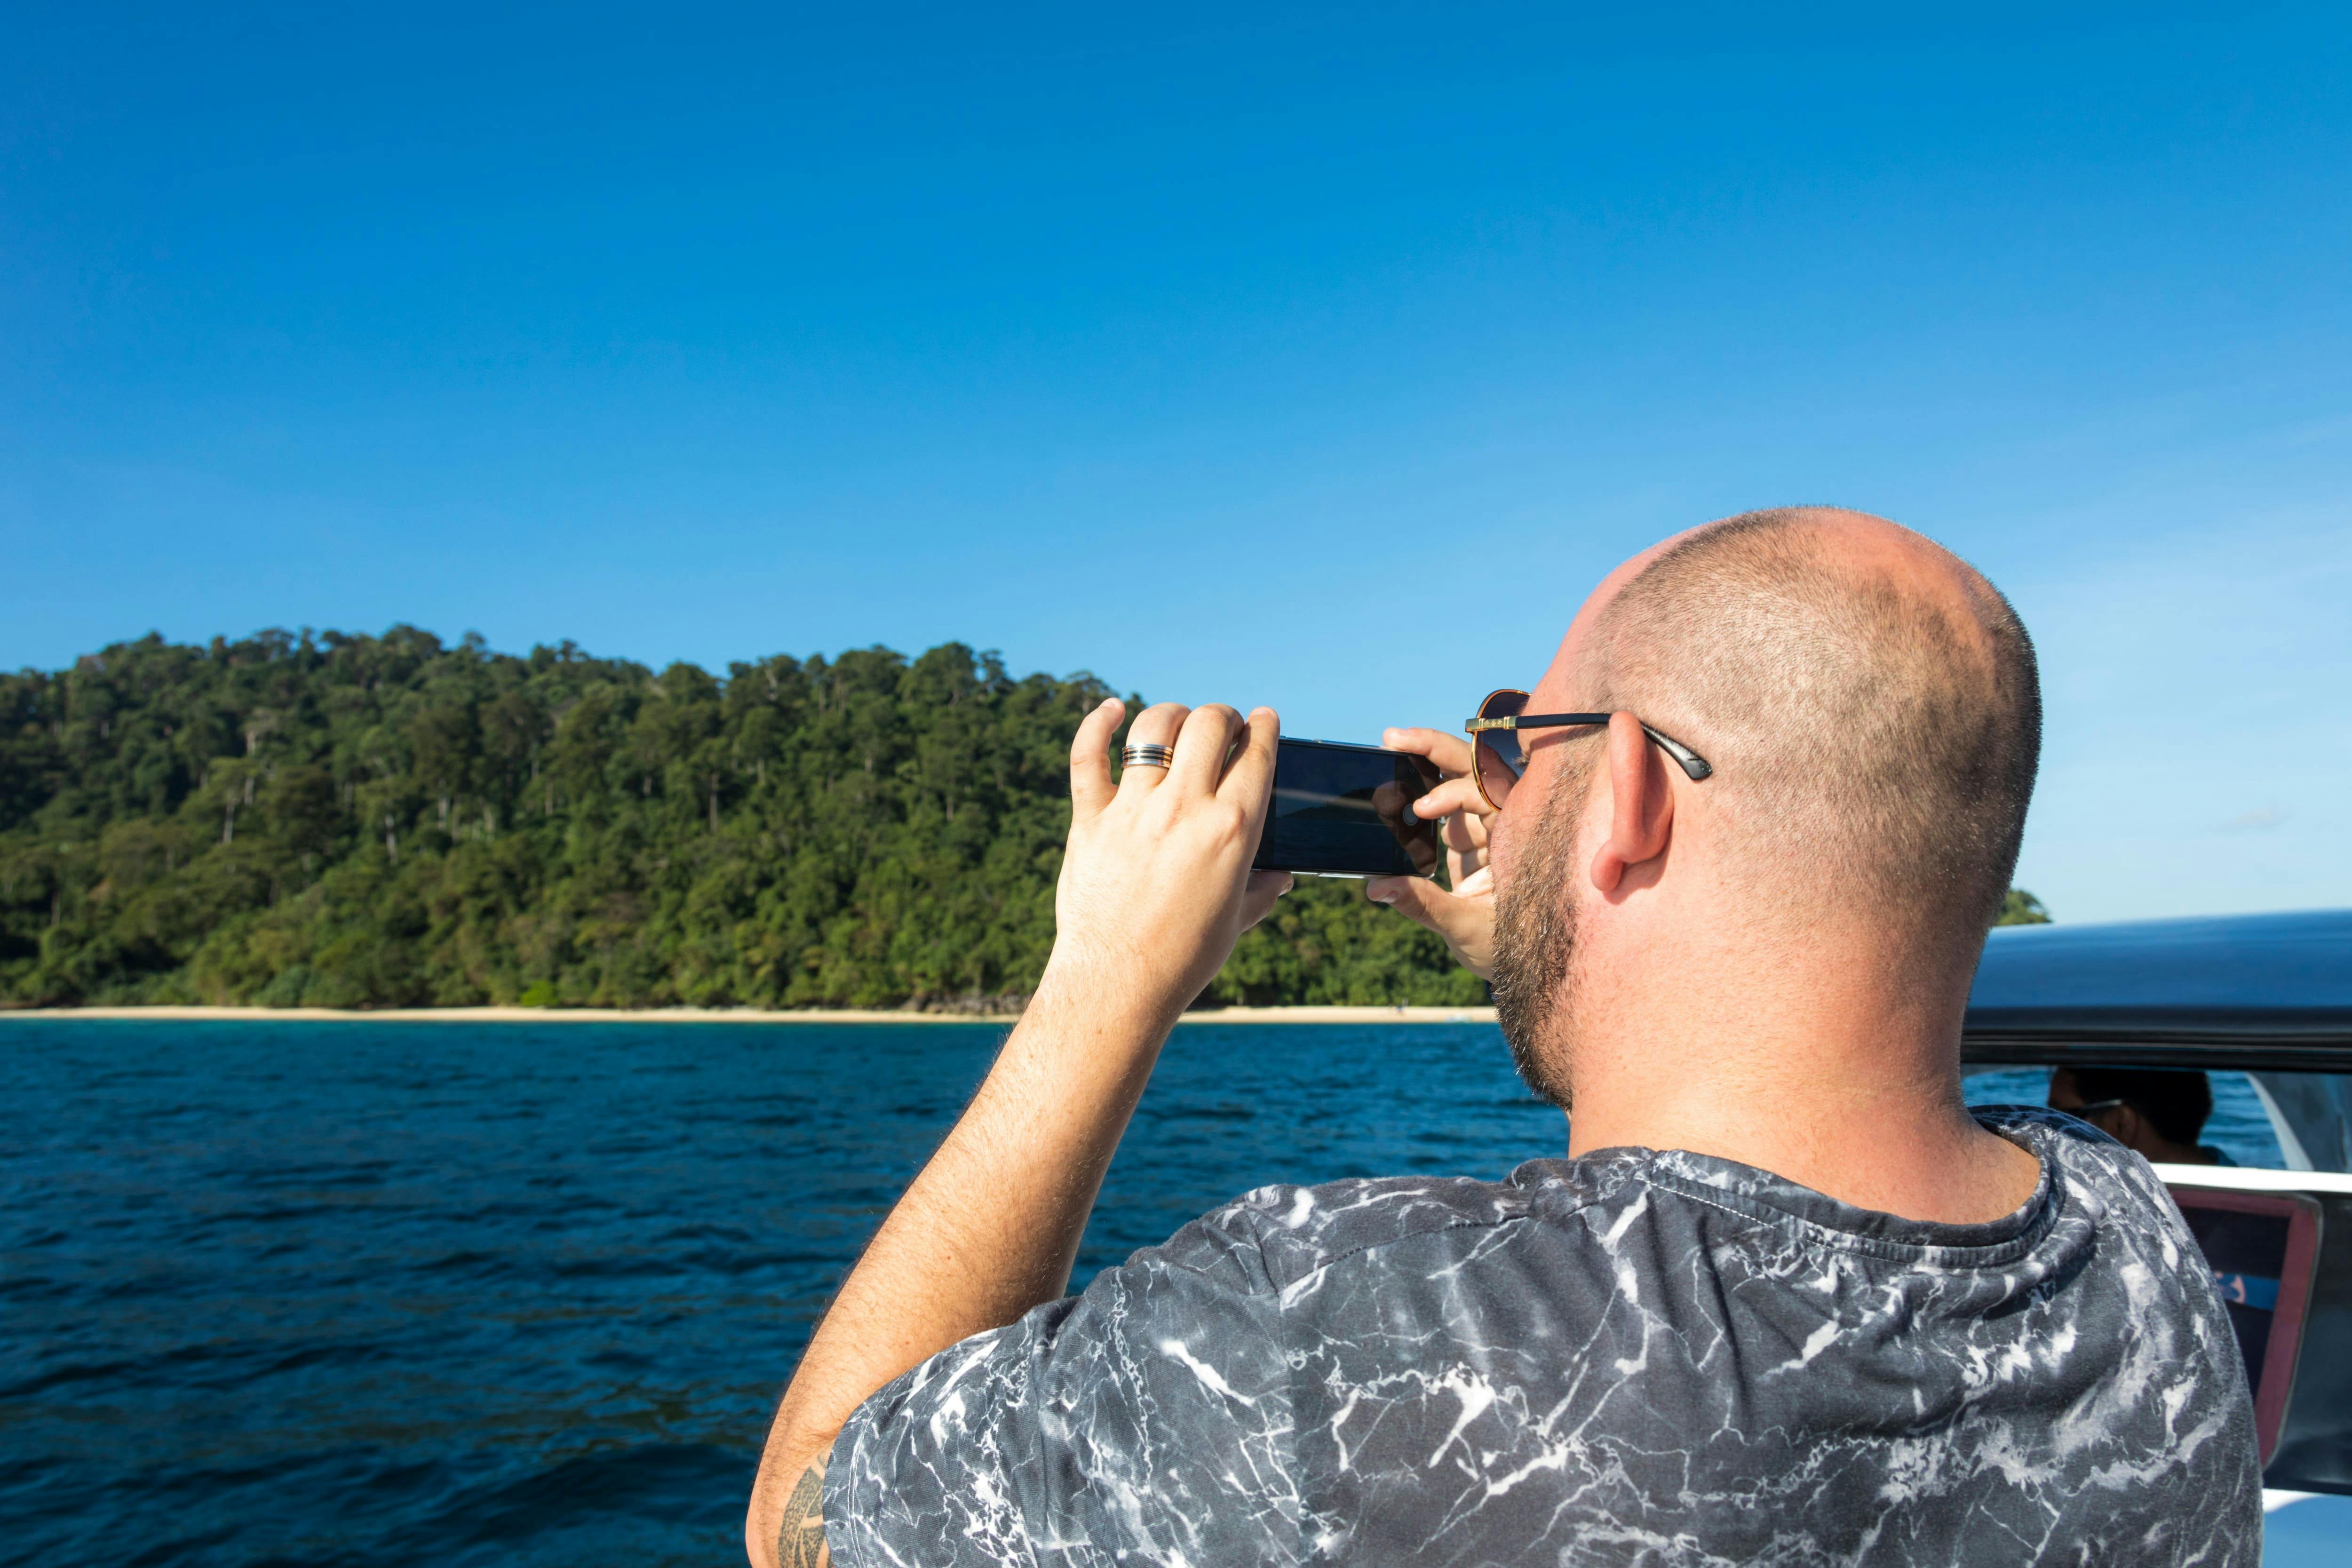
{"x":363,"y":822}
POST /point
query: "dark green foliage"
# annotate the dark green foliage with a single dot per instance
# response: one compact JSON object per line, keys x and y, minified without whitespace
{"x":2020,"y":908}
{"x":360,"y":822}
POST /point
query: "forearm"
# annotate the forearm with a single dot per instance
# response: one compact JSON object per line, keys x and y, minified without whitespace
{"x":990,"y":1226}
{"x":1155,"y":888}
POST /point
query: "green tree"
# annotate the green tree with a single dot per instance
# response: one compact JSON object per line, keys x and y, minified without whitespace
{"x":2020,"y":908}
{"x":360,"y":821}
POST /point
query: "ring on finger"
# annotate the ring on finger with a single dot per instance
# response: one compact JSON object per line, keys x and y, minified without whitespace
{"x":1146,"y":757}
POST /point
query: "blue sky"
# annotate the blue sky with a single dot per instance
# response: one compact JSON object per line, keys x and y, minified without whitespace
{"x":1321,"y":358}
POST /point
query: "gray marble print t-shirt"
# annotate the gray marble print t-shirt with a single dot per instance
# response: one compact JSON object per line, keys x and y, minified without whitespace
{"x":1629,"y":1357}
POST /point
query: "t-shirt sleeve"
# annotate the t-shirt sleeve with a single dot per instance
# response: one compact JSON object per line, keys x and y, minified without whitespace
{"x":1146,"y":1421}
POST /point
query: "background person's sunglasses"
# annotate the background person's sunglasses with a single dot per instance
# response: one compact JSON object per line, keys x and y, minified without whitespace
{"x":1500,"y":756}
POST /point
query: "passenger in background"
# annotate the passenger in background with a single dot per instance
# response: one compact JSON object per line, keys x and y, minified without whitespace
{"x":2156,"y":1112}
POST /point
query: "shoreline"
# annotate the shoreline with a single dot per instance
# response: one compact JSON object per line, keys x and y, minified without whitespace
{"x":168,"y":1013}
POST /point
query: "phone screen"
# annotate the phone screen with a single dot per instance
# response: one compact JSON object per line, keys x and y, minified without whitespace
{"x":1341,"y":810}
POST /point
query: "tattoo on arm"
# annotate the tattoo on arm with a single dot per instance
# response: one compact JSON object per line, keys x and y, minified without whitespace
{"x":801,"y":1543}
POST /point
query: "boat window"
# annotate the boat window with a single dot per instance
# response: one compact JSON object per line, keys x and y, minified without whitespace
{"x":2241,"y":1126}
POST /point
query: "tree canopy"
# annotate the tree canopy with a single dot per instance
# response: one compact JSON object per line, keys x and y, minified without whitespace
{"x":363,"y":822}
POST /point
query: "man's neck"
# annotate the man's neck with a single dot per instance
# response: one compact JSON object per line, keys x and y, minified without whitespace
{"x":1817,"y":1069}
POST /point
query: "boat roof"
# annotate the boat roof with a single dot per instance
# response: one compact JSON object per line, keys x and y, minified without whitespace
{"x":2271,"y":991}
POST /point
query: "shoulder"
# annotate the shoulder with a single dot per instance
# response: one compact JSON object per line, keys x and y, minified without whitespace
{"x":1271,"y":1238}
{"x":2089,"y":1170}
{"x":2054,"y":1135}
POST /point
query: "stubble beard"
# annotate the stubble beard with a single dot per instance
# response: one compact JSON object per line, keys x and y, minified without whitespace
{"x":1535,"y":941}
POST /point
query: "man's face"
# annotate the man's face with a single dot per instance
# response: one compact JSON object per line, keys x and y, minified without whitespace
{"x":1536,"y":840}
{"x":1552,"y":754}
{"x":1567,"y":686}
{"x":2066,"y":1095}
{"x":2118,"y":1122}
{"x":1535,"y":934}
{"x":1533,"y":845}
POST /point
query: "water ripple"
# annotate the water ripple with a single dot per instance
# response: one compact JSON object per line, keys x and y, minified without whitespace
{"x":344,"y":1293}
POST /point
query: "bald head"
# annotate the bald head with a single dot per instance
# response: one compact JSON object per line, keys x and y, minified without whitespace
{"x":1869,"y":701}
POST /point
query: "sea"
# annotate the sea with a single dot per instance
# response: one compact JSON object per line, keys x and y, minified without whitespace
{"x":308,"y":1293}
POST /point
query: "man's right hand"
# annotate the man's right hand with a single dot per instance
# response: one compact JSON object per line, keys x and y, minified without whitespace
{"x":1465,"y":916}
{"x":1156,"y":885}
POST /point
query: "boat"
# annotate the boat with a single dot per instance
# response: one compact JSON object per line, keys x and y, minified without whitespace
{"x":2266,"y":995}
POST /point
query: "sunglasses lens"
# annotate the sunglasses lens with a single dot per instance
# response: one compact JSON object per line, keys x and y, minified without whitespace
{"x":1500,"y":757}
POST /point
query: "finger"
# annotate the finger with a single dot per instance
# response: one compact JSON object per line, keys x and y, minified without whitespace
{"x":1454,"y":796}
{"x":1090,"y":785}
{"x":1463,"y":866}
{"x":1426,"y":903}
{"x":1250,"y":780}
{"x":1450,"y":752}
{"x":1466,"y":924}
{"x":1465,"y":833}
{"x":1155,"y":726}
{"x":1201,"y":748}
{"x":1262,"y":892}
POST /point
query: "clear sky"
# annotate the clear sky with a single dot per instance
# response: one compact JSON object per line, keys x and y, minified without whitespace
{"x":1320,"y":358}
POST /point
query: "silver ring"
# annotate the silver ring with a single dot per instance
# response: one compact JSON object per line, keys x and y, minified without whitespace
{"x":1146,"y":757}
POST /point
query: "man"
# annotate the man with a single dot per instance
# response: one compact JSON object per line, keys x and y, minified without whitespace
{"x":2155,"y":1112}
{"x":1785,"y":1300}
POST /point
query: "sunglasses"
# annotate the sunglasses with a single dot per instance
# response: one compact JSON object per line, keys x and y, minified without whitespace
{"x":1501,"y":756}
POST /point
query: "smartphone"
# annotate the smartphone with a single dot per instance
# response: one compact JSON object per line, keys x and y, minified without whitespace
{"x":1340,"y":811}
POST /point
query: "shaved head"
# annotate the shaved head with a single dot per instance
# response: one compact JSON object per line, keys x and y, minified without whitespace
{"x":1869,"y":701}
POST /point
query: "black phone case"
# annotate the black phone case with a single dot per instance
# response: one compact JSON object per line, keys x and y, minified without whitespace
{"x":1338,"y":811}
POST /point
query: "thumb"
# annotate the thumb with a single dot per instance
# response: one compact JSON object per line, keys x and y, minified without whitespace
{"x":1419,"y":900}
{"x":1259,"y":895}
{"x":1466,"y":924}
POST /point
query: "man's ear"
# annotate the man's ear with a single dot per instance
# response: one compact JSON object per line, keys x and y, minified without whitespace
{"x":1641,"y":804}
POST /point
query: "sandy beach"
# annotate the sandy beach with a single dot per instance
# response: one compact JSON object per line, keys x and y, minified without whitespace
{"x":732,"y":1015}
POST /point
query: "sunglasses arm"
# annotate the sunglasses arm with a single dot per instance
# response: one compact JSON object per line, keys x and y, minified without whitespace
{"x":1693,"y":766}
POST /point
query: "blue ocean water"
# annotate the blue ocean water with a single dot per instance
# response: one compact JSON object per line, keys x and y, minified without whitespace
{"x":300,"y":1293}
{"x":358,"y":1293}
